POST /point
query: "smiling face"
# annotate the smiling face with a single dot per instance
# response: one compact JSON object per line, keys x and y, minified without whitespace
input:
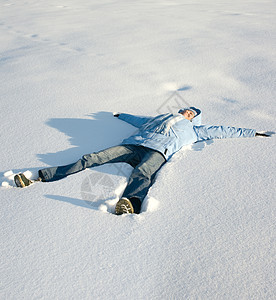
{"x":188,"y":114}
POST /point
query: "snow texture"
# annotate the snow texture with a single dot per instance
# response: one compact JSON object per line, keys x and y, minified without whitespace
{"x":207,"y":227}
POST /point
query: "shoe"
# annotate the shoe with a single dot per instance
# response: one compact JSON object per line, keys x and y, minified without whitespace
{"x":22,"y":181}
{"x":124,"y":206}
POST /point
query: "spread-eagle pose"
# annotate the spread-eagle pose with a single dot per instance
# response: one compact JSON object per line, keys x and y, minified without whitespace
{"x":146,"y":151}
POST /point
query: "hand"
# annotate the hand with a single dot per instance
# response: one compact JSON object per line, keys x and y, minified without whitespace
{"x":116,"y":115}
{"x":265,"y":134}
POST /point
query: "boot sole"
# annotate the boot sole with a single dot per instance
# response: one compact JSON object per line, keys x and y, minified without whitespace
{"x":21,"y":180}
{"x":18,"y":181}
{"x":124,"y":206}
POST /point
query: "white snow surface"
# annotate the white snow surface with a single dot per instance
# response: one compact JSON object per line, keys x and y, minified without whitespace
{"x":207,"y":227}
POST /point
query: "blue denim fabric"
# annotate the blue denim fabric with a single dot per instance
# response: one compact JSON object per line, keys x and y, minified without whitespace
{"x":146,"y":162}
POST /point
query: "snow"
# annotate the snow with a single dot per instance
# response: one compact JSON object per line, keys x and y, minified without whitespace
{"x":207,"y":228}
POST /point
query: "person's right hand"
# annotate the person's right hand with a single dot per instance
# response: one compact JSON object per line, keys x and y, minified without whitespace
{"x":264,"y":134}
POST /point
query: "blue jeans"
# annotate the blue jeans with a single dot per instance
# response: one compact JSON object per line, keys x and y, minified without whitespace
{"x":145,"y":161}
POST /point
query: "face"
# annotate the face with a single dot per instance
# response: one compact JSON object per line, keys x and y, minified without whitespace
{"x":188,"y":114}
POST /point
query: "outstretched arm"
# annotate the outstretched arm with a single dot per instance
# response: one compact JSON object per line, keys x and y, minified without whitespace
{"x":136,"y":121}
{"x":206,"y":132}
{"x":265,"y":134}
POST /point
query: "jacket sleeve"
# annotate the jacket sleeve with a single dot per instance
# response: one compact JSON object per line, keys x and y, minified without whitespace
{"x":206,"y":132}
{"x":136,"y":121}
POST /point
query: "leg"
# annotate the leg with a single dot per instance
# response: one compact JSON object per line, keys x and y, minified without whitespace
{"x":115,"y":154}
{"x":142,"y":177}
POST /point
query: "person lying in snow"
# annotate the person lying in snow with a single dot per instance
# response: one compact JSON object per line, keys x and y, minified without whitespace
{"x":146,"y":151}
